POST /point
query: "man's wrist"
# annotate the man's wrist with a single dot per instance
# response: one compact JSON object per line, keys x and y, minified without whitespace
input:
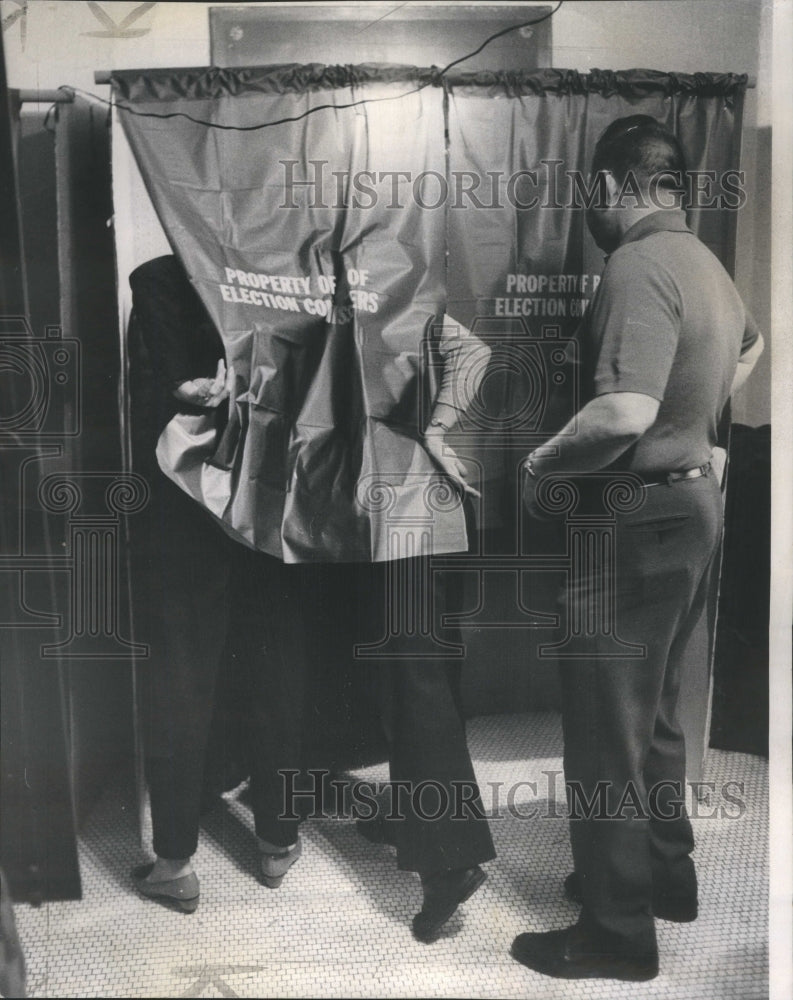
{"x":436,"y":426}
{"x":442,"y":419}
{"x":530,"y":465}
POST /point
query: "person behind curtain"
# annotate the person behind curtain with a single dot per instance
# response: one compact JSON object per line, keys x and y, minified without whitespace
{"x":215,"y":590}
{"x":417,"y":698}
{"x":198,"y":585}
{"x":665,"y":342}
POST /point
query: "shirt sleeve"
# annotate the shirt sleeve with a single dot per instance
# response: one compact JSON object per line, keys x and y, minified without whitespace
{"x":750,"y":334}
{"x":464,"y":357}
{"x":635,"y":326}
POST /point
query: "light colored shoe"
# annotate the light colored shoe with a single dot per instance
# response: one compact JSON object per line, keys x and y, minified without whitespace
{"x":179,"y":893}
{"x":275,"y":865}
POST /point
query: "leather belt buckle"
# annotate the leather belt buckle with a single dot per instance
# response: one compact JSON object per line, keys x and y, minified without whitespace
{"x":668,"y":478}
{"x":678,"y":477}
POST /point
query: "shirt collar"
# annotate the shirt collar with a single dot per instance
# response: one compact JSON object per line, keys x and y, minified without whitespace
{"x":665,"y":220}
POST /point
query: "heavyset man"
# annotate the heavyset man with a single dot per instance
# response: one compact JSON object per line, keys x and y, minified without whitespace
{"x":665,"y":342}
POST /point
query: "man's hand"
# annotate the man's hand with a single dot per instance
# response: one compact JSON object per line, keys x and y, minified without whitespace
{"x":445,"y":457}
{"x":207,"y":392}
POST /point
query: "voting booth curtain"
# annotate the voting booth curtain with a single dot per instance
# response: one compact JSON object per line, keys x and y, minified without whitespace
{"x":331,"y":217}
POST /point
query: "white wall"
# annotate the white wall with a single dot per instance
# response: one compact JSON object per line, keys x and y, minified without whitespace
{"x":65,"y":43}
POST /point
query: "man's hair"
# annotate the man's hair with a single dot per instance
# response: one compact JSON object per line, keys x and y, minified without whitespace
{"x":641,"y":146}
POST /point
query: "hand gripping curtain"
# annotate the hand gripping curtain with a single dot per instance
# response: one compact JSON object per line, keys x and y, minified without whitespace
{"x":326,"y":303}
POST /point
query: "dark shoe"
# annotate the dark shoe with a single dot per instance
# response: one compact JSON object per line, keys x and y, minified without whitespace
{"x":179,"y":893}
{"x":678,"y":909}
{"x":376,"y":831}
{"x":565,"y":954}
{"x":275,"y":865}
{"x":443,"y":893}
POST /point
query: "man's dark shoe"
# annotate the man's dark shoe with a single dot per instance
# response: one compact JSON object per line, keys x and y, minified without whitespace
{"x":566,"y":954}
{"x":443,"y":893}
{"x":678,"y":909}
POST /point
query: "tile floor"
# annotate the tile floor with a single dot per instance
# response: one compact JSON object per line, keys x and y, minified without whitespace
{"x":340,"y":924}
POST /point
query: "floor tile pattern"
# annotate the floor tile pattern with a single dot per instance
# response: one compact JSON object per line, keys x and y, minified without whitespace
{"x":339,"y":926}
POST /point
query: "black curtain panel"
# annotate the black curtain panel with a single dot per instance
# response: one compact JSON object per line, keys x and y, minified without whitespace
{"x":328,"y":245}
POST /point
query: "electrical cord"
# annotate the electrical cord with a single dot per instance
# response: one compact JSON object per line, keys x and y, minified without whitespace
{"x":318,"y":107}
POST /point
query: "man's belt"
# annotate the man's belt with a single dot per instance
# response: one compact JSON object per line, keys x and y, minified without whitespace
{"x":667,"y":478}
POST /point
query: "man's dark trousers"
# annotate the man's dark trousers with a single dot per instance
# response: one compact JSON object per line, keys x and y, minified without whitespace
{"x":416,"y":699}
{"x":630,"y":834}
{"x":419,"y":705}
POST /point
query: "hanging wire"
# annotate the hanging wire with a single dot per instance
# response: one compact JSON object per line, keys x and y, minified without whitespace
{"x":319,"y":107}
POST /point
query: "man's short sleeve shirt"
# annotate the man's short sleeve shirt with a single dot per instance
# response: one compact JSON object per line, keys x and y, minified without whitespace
{"x":667,"y":322}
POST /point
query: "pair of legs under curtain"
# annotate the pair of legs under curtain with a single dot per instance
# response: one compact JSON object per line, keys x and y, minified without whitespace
{"x":226,"y":609}
{"x":417,"y":698}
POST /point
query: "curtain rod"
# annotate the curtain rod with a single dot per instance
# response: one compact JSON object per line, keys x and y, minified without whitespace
{"x":103,"y":76}
{"x":43,"y":96}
